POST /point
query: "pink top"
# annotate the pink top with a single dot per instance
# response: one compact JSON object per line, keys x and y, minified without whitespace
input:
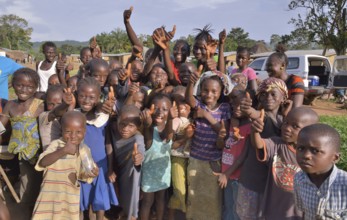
{"x":248,"y":72}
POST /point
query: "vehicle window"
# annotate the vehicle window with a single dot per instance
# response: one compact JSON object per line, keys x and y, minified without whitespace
{"x":293,"y":63}
{"x":341,"y":66}
{"x":257,"y":64}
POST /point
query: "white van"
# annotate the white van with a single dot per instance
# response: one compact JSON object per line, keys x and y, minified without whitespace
{"x":313,"y":69}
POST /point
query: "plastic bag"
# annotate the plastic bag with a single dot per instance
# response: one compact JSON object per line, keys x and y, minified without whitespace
{"x":87,"y":162}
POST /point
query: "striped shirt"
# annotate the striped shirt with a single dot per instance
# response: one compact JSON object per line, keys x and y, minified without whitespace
{"x":295,"y":85}
{"x":205,"y":138}
{"x":329,"y":201}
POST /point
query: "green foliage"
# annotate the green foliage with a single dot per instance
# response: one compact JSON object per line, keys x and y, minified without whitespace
{"x":324,"y":22}
{"x":14,"y":32}
{"x":238,"y":37}
{"x":114,"y":42}
{"x":339,"y":123}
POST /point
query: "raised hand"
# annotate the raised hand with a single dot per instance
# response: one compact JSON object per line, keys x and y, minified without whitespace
{"x":127,"y":14}
{"x":146,"y":116}
{"x":159,"y":38}
{"x":258,"y":124}
{"x":93,"y":44}
{"x":211,"y":48}
{"x":134,"y":88}
{"x":60,"y":66}
{"x":246,"y":105}
{"x":193,"y":78}
{"x":222,"y":131}
{"x":124,"y":74}
{"x":173,"y":111}
{"x":70,"y":148}
{"x":137,"y":156}
{"x":111,"y":95}
{"x":68,"y":97}
{"x":286,"y":106}
{"x":171,"y":34}
{"x":222,"y":36}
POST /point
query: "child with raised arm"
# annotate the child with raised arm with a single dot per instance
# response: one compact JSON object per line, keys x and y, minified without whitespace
{"x":206,"y":202}
{"x":60,"y":190}
{"x":129,"y":150}
{"x":22,"y":113}
{"x":271,"y":94}
{"x":156,"y":167}
{"x":279,"y":154}
{"x":320,"y":189}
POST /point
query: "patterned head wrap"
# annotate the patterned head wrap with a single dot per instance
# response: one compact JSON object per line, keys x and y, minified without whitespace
{"x":228,"y":85}
{"x":270,"y":83}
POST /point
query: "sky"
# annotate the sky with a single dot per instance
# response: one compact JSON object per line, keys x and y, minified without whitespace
{"x":57,"y":20}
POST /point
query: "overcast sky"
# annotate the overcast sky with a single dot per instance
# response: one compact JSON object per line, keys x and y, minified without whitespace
{"x":82,"y":19}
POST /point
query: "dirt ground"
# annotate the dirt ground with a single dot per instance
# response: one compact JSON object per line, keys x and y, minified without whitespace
{"x":328,"y":107}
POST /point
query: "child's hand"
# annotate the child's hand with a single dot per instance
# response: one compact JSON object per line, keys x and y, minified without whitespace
{"x":111,"y":176}
{"x":189,"y":131}
{"x":199,"y":113}
{"x":95,"y":172}
{"x":194,"y":77}
{"x":211,"y":64}
{"x":258,"y":124}
{"x":169,"y":35}
{"x":286,"y":106}
{"x":173,"y":111}
{"x":222,"y":179}
{"x":222,"y":36}
{"x":60,"y":66}
{"x":93,"y":44}
{"x":127,"y":14}
{"x":68,"y":97}
{"x":134,"y":88}
{"x":159,"y":38}
{"x":124,"y":74}
{"x":246,"y":105}
{"x":137,"y":52}
{"x":137,"y":156}
{"x":222,"y":131}
{"x":146,"y":116}
{"x":70,"y":148}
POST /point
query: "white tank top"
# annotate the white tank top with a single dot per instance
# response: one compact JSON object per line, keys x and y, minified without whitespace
{"x":44,"y":76}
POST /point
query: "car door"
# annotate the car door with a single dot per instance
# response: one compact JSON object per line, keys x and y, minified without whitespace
{"x":259,"y":67}
{"x":338,"y":76}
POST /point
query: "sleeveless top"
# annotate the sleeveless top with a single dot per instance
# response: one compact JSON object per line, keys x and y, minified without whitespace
{"x":44,"y":76}
{"x":25,"y":139}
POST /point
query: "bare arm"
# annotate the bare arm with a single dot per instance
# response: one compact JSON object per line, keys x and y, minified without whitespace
{"x":221,"y":61}
{"x":129,"y":29}
{"x":148,"y":67}
{"x":169,"y":68}
{"x":297,"y":99}
{"x":256,"y":140}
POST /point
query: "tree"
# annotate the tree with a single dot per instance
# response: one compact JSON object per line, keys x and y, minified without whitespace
{"x":325,"y":22}
{"x":15,"y":32}
{"x":274,"y":40}
{"x":238,"y":37}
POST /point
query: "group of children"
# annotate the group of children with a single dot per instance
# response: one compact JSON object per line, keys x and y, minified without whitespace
{"x":227,"y":146}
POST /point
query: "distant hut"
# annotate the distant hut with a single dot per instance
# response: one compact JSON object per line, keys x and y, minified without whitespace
{"x":260,"y":47}
{"x":17,"y":55}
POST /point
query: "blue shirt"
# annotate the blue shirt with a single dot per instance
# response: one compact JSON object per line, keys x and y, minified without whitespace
{"x":7,"y":68}
{"x":329,"y":201}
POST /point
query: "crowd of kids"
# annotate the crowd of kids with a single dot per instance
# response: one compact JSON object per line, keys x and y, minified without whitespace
{"x":165,"y":137}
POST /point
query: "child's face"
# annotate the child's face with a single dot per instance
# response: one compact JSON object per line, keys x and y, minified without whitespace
{"x":315,"y":155}
{"x":274,"y":67}
{"x":161,"y":112}
{"x":49,"y":53}
{"x":199,"y":49}
{"x":138,"y":99}
{"x":88,"y":97}
{"x":86,"y":56}
{"x":271,"y":100}
{"x":101,"y":74}
{"x":158,"y":77}
{"x":291,"y":126}
{"x":180,"y":52}
{"x":210,"y":92}
{"x":53,"y":99}
{"x":24,"y":88}
{"x":126,"y":125}
{"x":53,"y":80}
{"x":72,"y":83}
{"x":136,"y":71}
{"x":112,"y":80}
{"x":242,"y":59}
{"x":73,"y":131}
{"x":184,"y":73}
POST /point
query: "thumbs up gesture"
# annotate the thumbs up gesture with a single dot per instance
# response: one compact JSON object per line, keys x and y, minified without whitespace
{"x":222,"y":36}
{"x":258,"y":124}
{"x":173,"y":111}
{"x":137,"y":156}
{"x":222,"y":131}
{"x":146,"y":116}
{"x":60,"y":64}
{"x":127,"y":14}
{"x":68,"y":97}
{"x":170,"y":34}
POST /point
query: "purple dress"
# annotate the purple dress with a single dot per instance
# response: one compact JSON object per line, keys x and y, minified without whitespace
{"x":100,"y":193}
